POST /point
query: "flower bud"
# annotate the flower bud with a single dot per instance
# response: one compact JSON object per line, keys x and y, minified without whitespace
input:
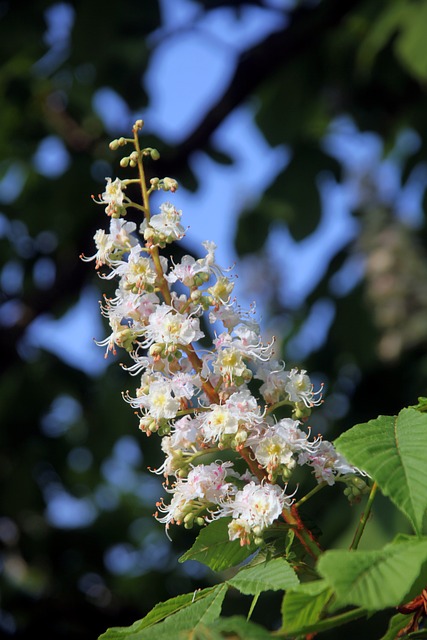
{"x":240,"y":437}
{"x":138,"y":125}
{"x":188,"y":520}
{"x":148,"y":425}
{"x":301,"y":411}
{"x":156,"y":349}
{"x":114,"y":145}
{"x":169,"y":184}
{"x":196,"y":295}
{"x":124,"y":162}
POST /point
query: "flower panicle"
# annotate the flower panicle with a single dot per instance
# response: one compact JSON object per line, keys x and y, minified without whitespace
{"x":201,"y":400}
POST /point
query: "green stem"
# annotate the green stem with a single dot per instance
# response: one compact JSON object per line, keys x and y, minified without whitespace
{"x":141,"y":173}
{"x":252,"y":607}
{"x":364,"y":518}
{"x":191,"y":410}
{"x":324,"y":625}
{"x":204,"y":452}
{"x":153,"y":250}
{"x":310,"y":494}
{"x":275,"y":406}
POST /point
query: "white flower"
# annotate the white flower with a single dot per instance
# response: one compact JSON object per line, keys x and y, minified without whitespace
{"x":114,"y":197}
{"x":327,"y":463}
{"x":229,"y":364}
{"x":227,"y":315}
{"x":274,"y":377}
{"x":159,"y":402}
{"x":122,"y":335}
{"x":221,"y":290}
{"x":189,"y":271}
{"x":137,"y":273}
{"x":207,"y":482}
{"x":131,"y":306}
{"x":166,"y":224}
{"x":111,"y":246}
{"x":183,"y":385}
{"x":169,"y":327}
{"x":290,"y":433}
{"x":244,"y":406}
{"x":273,"y":452}
{"x":205,"y":486}
{"x":219,"y":422}
{"x":300,"y":389}
{"x":255,"y":507}
{"x":185,"y":432}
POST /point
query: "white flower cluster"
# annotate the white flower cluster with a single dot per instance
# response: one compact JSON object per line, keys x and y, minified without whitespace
{"x":202,"y":401}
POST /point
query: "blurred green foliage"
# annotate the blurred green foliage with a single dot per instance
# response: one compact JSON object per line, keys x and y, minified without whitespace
{"x":67,"y":437}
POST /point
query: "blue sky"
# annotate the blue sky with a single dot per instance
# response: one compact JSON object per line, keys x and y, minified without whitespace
{"x":193,"y":61}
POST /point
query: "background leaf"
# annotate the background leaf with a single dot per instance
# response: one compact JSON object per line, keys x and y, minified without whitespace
{"x":203,"y":610}
{"x":375,"y":580}
{"x":213,"y":547}
{"x":392,"y":450}
{"x":272,"y":575}
{"x":302,"y":606}
{"x":241,"y":629}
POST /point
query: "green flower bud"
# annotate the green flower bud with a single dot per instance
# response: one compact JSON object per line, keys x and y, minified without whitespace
{"x":189,"y":519}
{"x":196,"y":295}
{"x":164,"y":428}
{"x":301,"y":411}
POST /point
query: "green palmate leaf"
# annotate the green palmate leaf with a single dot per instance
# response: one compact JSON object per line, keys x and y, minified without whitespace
{"x":213,"y":547}
{"x":303,"y":606}
{"x":181,"y":612}
{"x":377,"y":579}
{"x":393,"y":451}
{"x":240,"y":628}
{"x":272,"y":575}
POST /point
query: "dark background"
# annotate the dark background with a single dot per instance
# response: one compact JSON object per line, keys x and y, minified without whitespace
{"x":80,"y":550}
